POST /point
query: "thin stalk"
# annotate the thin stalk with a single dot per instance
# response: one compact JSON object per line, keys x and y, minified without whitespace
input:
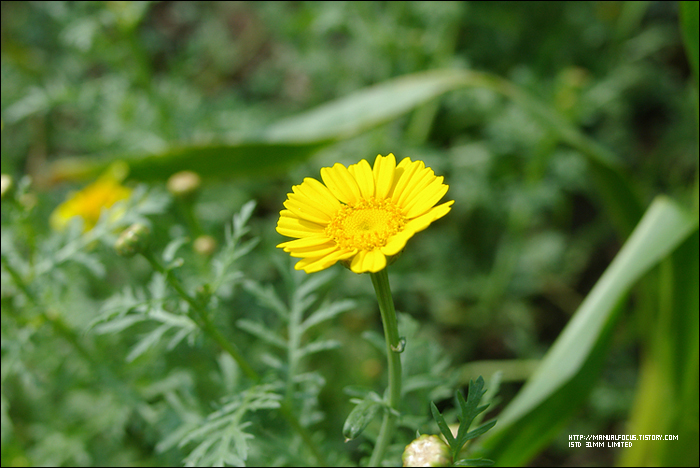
{"x":187,"y":209}
{"x":294,"y":340}
{"x":210,"y":329}
{"x":380,"y":281}
{"x":204,"y":320}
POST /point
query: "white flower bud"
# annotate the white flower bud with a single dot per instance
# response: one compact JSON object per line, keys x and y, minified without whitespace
{"x":427,"y":450}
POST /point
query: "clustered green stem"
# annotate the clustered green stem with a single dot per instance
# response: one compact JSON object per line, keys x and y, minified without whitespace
{"x":202,"y":318}
{"x":380,"y":281}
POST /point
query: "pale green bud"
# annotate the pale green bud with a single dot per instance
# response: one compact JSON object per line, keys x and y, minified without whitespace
{"x":133,"y":240}
{"x":205,"y":245}
{"x":184,"y":185}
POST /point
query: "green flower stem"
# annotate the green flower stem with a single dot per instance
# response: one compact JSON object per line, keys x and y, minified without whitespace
{"x":187,"y":208}
{"x":204,"y":319}
{"x":209,"y":328}
{"x":380,"y":281}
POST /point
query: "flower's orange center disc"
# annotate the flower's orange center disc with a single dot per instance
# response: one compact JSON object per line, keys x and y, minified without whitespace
{"x":366,"y":225}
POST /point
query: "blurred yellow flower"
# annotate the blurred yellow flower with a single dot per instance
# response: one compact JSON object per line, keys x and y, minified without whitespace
{"x":89,"y":202}
{"x":362,"y":215}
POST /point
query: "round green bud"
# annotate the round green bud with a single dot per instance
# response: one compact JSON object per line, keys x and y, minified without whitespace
{"x":133,"y":240}
{"x":184,"y":185}
{"x":205,"y":245}
{"x":427,"y":450}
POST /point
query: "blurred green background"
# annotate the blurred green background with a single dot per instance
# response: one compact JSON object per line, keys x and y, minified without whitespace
{"x":171,"y":85}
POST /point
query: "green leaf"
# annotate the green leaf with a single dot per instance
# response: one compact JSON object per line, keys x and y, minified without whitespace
{"x":214,"y":161}
{"x":689,"y":28}
{"x":470,"y":409}
{"x":318,"y":346}
{"x":267,"y":297}
{"x":569,"y":369}
{"x":259,"y":330}
{"x":360,"y":417}
{"x":147,"y":342}
{"x":479,"y":430}
{"x":326,"y":312}
{"x":669,"y":370}
{"x":221,"y":436}
{"x":442,"y":424}
{"x":367,"y":108}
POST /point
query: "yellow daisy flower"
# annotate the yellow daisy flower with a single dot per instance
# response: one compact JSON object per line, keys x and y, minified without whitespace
{"x":362,"y":215}
{"x":89,"y":202}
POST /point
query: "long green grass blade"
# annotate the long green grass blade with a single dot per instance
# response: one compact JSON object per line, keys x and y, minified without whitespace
{"x":667,"y":393}
{"x":569,"y":369}
{"x":214,"y":161}
{"x":367,"y":108}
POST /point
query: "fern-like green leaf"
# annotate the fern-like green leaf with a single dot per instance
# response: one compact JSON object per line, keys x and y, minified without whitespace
{"x":469,"y":410}
{"x":222,"y":437}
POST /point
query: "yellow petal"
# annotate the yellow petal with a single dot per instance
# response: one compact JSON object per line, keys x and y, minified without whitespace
{"x":313,"y":251}
{"x":363,"y":175}
{"x":341,"y":183}
{"x":397,"y":242}
{"x":383,"y":171}
{"x":409,"y":170}
{"x":313,"y":264}
{"x":414,"y":186}
{"x":423,"y":221}
{"x":291,"y":226}
{"x":398,"y":172}
{"x":372,"y":261}
{"x":313,"y":200}
{"x":405,"y":162}
{"x":421,"y":201}
{"x":441,"y":210}
{"x":306,"y":209}
{"x":315,"y":190}
{"x":304,"y":242}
